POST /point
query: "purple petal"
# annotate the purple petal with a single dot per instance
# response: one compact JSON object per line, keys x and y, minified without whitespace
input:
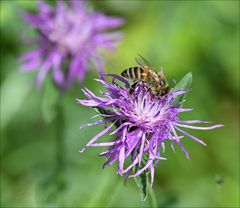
{"x":57,"y":73}
{"x":104,"y":22}
{"x":30,"y":66}
{"x":141,"y":170}
{"x":198,"y":127}
{"x":152,"y":173}
{"x":119,"y":78}
{"x":193,"y":121}
{"x":119,"y":128}
{"x":163,"y":146}
{"x":44,"y":8}
{"x":190,"y":136}
{"x":95,"y":123}
{"x":78,"y":5}
{"x":184,"y":150}
{"x":104,"y":144}
{"x":180,"y":145}
{"x":94,"y":139}
{"x":99,"y":62}
{"x":122,"y":153}
{"x":30,"y":55}
{"x":180,"y":92}
{"x":179,"y":110}
{"x":43,"y":72}
{"x":121,"y":159}
{"x":131,"y":165}
{"x":141,"y":149}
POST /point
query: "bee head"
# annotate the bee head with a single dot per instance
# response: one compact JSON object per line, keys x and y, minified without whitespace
{"x":162,"y":83}
{"x":163,"y":92}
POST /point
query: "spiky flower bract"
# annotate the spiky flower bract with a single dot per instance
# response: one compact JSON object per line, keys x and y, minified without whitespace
{"x":143,"y":124}
{"x":70,"y":37}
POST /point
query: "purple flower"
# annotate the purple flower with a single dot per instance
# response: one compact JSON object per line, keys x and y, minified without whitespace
{"x":69,"y":37}
{"x":143,"y":124}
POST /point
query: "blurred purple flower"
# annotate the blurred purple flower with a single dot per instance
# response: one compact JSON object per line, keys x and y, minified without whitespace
{"x":144,"y":123}
{"x":69,"y":37}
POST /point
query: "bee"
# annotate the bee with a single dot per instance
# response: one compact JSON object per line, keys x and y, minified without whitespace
{"x":156,"y":81}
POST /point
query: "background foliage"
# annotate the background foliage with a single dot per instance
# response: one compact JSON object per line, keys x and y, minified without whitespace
{"x":181,"y":36}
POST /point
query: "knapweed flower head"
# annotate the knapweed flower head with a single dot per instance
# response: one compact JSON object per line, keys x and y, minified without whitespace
{"x":69,"y":38}
{"x":141,"y":124}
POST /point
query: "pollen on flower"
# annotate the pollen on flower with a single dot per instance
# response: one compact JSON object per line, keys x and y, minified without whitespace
{"x":141,"y":123}
{"x":69,"y":38}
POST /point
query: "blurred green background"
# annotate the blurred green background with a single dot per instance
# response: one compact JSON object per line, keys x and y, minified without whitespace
{"x":181,"y":36}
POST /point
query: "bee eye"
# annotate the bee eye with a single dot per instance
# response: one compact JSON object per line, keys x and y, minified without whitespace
{"x":162,"y":83}
{"x":163,"y":93}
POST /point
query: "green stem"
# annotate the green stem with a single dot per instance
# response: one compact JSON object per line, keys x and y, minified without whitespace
{"x":152,"y":198}
{"x":55,"y":184}
{"x":60,"y":146}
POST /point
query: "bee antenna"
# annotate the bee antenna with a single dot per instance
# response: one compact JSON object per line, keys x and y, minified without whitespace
{"x":161,"y":70}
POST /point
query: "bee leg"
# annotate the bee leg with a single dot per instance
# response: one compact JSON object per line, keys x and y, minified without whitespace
{"x":151,"y":84}
{"x":133,"y":86}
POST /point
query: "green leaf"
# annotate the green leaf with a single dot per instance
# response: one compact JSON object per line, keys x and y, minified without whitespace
{"x":18,"y":85}
{"x":184,"y":84}
{"x":142,"y":183}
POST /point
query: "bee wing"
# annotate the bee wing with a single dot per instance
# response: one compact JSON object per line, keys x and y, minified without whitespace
{"x":142,"y":62}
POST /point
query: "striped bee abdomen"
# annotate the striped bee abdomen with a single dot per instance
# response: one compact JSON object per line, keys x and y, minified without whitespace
{"x":133,"y":73}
